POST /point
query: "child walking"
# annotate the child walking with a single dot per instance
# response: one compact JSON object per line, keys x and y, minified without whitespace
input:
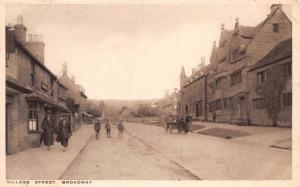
{"x":121,"y":129}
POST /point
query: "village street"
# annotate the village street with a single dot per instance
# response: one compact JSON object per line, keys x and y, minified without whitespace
{"x":147,"y":152}
{"x":123,"y":159}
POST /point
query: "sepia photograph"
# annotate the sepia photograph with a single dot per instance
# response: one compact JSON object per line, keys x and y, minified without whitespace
{"x":148,"y":91}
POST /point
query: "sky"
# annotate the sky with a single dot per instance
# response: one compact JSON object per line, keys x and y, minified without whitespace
{"x":131,"y":51}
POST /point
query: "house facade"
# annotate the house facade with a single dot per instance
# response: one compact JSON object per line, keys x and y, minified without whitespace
{"x":31,"y":90}
{"x":77,"y":93}
{"x":227,"y":75}
{"x":269,"y":99}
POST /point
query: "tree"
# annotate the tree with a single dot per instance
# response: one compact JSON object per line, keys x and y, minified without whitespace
{"x":272,"y":89}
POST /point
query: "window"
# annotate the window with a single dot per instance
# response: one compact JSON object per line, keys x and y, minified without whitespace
{"x":222,"y":60}
{"x":225,"y":103}
{"x":32,"y":75}
{"x":33,"y":121}
{"x":186,"y":109}
{"x":275,"y":27}
{"x":51,"y":86}
{"x":199,"y":109}
{"x":210,"y":89}
{"x":261,"y":77}
{"x":211,"y":106}
{"x":287,"y":99}
{"x":219,"y":104}
{"x":287,"y":70}
{"x":259,"y":103}
{"x":33,"y":116}
{"x":236,"y":78}
{"x":218,"y":83}
{"x":44,"y":86}
{"x":234,"y":55}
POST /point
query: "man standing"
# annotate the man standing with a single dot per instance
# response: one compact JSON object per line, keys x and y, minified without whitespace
{"x":107,"y":127}
{"x":48,"y":128}
{"x":214,"y":115}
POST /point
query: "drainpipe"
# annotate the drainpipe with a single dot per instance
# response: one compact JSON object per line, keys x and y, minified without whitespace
{"x":205,"y":98}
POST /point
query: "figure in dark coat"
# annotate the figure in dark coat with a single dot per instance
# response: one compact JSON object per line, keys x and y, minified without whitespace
{"x":214,"y":115}
{"x":48,"y":128}
{"x":107,"y":127}
{"x":121,"y":129}
{"x":64,"y":132}
{"x":97,"y":128}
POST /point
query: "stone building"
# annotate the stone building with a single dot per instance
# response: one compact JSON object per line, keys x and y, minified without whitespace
{"x":227,"y":84}
{"x":31,"y":90}
{"x":77,"y":93}
{"x":273,"y":74}
{"x":193,"y":94}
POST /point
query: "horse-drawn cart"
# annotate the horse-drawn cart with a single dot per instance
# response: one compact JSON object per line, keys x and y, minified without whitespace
{"x":182,"y":125}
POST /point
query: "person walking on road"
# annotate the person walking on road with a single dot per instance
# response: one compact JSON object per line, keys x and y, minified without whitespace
{"x":97,"y":128}
{"x":107,"y":127}
{"x":168,"y":122}
{"x":121,"y":129}
{"x":64,"y":131}
{"x":48,"y":130}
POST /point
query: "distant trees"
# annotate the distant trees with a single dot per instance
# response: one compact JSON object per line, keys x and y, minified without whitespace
{"x":94,"y":107}
{"x":272,"y":89}
{"x":145,"y":110}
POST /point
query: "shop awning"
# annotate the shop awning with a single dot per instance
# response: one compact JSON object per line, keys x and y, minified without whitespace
{"x":17,"y":86}
{"x":47,"y":100}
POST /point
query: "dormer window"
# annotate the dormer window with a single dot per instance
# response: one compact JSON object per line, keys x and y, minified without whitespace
{"x":275,"y":27}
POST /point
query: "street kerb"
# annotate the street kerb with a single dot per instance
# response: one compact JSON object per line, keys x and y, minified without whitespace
{"x":75,"y":158}
{"x":166,"y":156}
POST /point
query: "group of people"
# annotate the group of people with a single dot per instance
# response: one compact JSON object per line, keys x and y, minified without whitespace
{"x":63,"y":131}
{"x":97,"y":128}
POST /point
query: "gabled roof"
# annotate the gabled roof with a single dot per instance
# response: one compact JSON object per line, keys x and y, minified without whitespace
{"x":261,"y":24}
{"x":247,"y":31}
{"x":280,"y":51}
{"x":222,"y":52}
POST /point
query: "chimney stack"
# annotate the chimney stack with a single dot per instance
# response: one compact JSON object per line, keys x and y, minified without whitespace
{"x":275,"y":6}
{"x":20,"y":30}
{"x":36,"y":46}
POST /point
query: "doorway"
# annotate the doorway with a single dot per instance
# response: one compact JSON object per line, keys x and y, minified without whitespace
{"x":8,"y":124}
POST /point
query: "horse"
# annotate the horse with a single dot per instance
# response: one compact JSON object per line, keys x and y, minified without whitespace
{"x":181,"y":124}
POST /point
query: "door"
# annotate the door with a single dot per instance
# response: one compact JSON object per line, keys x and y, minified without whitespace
{"x":242,"y":110}
{"x":8,"y":124}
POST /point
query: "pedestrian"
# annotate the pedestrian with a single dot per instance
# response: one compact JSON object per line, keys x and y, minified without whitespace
{"x":48,"y":128}
{"x":214,"y":115}
{"x":64,"y":131}
{"x":121,"y":129}
{"x":168,"y":122}
{"x":97,"y":128}
{"x":107,"y":127}
{"x":42,"y":137}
